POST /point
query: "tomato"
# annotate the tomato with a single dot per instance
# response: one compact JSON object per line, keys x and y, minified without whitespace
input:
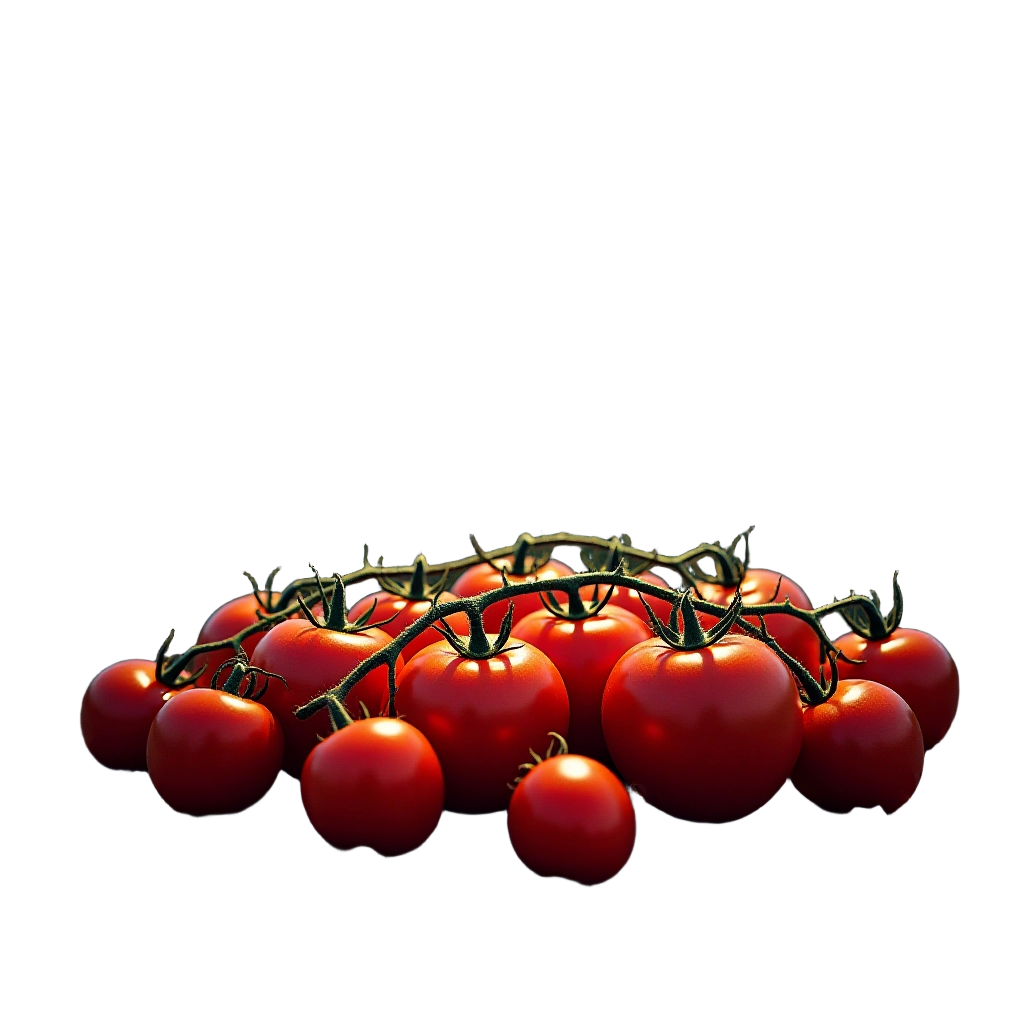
{"x":376,"y":782}
{"x":584,"y":652}
{"x":312,"y":660}
{"x":482,"y":716}
{"x":570,"y":816}
{"x":212,"y":753}
{"x":624,"y":597}
{"x":917,"y":667}
{"x":225,"y":622}
{"x":406,"y":612}
{"x":862,"y":748}
{"x":706,"y":735}
{"x":483,"y":577}
{"x":117,"y":710}
{"x":796,"y":638}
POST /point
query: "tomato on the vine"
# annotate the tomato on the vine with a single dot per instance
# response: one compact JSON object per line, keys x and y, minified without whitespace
{"x":706,"y":735}
{"x":481,"y":715}
{"x":376,"y":782}
{"x":758,"y":586}
{"x":230,"y":618}
{"x":403,"y":612}
{"x":570,"y":816}
{"x":584,"y":651}
{"x":626,"y":597}
{"x":483,"y":577}
{"x":313,"y":659}
{"x":210,"y":752}
{"x":861,"y":748}
{"x":117,"y":710}
{"x":917,"y":667}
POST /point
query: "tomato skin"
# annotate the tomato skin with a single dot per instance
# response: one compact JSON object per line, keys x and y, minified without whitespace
{"x":480,"y":578}
{"x":862,"y":748}
{"x":707,"y":735}
{"x":118,"y":708}
{"x":796,"y":638}
{"x":212,"y":753}
{"x":571,"y":817}
{"x":629,"y":599}
{"x":407,"y":613}
{"x":482,"y":717}
{"x":312,"y":661}
{"x":230,"y":618}
{"x":584,"y":652}
{"x":376,"y":783}
{"x":917,"y":667}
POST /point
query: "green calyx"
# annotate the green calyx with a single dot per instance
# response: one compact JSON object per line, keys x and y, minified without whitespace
{"x":243,"y":680}
{"x":265,"y":597}
{"x":417,"y":587}
{"x":606,"y":559}
{"x":692,"y":636}
{"x":478,"y":646}
{"x":576,"y":609}
{"x":528,"y":556}
{"x":563,"y":748}
{"x":866,"y":619}
{"x":336,"y":609}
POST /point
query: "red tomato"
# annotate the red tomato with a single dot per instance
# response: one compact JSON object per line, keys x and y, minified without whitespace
{"x":796,"y":638}
{"x":117,"y":710}
{"x":571,"y":817}
{"x":584,"y":652}
{"x":376,"y":783}
{"x":480,"y":578}
{"x":407,"y":613}
{"x":706,"y":735}
{"x":225,"y":622}
{"x":482,"y":716}
{"x":312,"y":660}
{"x":862,"y":748}
{"x":629,"y":599}
{"x":212,"y":753}
{"x":917,"y":667}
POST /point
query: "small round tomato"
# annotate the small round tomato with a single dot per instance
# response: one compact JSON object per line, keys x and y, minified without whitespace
{"x":570,"y":816}
{"x":117,"y":710}
{"x":230,"y":618}
{"x":481,"y":715}
{"x":706,"y":735}
{"x":796,"y":638}
{"x":625,"y":597}
{"x":584,"y":651}
{"x":406,"y":612}
{"x":862,"y":748}
{"x":376,"y":782}
{"x":212,"y":753}
{"x":314,"y":659}
{"x":478,"y":579}
{"x":917,"y":667}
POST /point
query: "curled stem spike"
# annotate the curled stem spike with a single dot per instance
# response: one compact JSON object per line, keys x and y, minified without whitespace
{"x":244,"y":680}
{"x":693,"y":636}
{"x":576,"y":609}
{"x":479,"y":647}
{"x":527,"y":556}
{"x":417,"y":587}
{"x":563,"y":748}
{"x":866,"y":619}
{"x":336,"y":608}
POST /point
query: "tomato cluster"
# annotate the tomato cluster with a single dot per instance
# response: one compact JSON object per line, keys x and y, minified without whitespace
{"x":424,"y":698}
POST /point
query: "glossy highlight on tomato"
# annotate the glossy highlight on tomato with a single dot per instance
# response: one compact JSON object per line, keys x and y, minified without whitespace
{"x":861,"y":748}
{"x":483,"y":577}
{"x":376,"y":782}
{"x":706,"y":735}
{"x":570,"y":816}
{"x":406,"y":612}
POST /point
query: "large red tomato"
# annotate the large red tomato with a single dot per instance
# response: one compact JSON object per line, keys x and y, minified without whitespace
{"x":584,"y":651}
{"x":625,"y":597}
{"x":482,"y":716}
{"x":225,"y":622}
{"x":406,"y":612}
{"x":376,"y":782}
{"x":706,"y":735}
{"x":917,"y":667}
{"x":117,"y":710}
{"x":796,"y":638}
{"x":570,"y":816}
{"x":483,"y":577}
{"x":212,"y":753}
{"x":313,"y":660}
{"x":862,"y":748}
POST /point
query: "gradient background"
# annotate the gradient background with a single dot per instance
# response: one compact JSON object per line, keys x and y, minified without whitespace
{"x":276,"y":280}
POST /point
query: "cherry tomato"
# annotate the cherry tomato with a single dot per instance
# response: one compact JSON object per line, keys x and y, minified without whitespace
{"x":407,"y":613}
{"x":480,"y":578}
{"x":481,"y":716}
{"x":625,"y":597}
{"x":571,"y":817}
{"x":225,"y":622}
{"x":706,"y":735}
{"x":313,"y":660}
{"x":917,"y":667}
{"x":862,"y":748}
{"x":796,"y":638}
{"x":584,"y":652}
{"x":117,"y":710}
{"x":376,"y":783}
{"x":212,"y":753}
